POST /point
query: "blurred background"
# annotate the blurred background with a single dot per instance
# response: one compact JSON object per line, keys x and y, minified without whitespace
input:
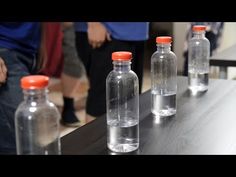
{"x":178,"y":31}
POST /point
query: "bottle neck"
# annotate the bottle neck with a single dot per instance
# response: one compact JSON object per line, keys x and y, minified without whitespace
{"x":199,"y":34}
{"x":122,"y":66}
{"x":35,"y":95}
{"x":163,"y":47}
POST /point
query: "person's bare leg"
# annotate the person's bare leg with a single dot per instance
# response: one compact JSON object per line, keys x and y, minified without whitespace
{"x":69,"y":85}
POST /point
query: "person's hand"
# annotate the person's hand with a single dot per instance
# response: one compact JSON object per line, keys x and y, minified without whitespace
{"x":66,"y":25}
{"x":97,"y":34}
{"x":3,"y":72}
{"x":208,"y":28}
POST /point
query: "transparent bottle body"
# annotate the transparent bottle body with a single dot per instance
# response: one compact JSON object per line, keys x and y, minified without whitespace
{"x":163,"y":81}
{"x":122,"y":100}
{"x":37,"y":125}
{"x":198,"y":62}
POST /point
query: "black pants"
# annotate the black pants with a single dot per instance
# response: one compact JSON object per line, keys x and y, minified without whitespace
{"x":98,"y":64}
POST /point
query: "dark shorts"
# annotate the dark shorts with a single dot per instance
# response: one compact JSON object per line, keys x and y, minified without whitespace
{"x":98,"y":64}
{"x":18,"y":65}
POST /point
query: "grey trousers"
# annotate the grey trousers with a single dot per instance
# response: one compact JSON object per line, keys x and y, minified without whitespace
{"x":73,"y":65}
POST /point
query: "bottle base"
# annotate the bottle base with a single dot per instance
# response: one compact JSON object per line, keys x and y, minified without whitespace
{"x":196,"y":89}
{"x":123,"y":147}
{"x":164,"y":113}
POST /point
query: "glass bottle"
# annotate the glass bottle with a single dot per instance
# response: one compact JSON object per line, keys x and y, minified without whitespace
{"x":198,"y":60}
{"x":122,"y":99}
{"x":163,"y":78}
{"x":37,"y":119}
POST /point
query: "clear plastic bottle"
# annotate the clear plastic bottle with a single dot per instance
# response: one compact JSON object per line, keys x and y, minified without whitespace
{"x":163,"y":78}
{"x":37,"y":119}
{"x":122,"y":99}
{"x":198,"y":60}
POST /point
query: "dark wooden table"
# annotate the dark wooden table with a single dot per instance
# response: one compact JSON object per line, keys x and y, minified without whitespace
{"x":224,"y":59}
{"x":204,"y":124}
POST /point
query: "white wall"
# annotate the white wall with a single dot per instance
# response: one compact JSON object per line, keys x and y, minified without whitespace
{"x":179,"y":34}
{"x":228,"y":39}
{"x":229,"y":35}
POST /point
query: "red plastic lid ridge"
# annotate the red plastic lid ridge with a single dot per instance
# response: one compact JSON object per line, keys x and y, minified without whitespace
{"x":199,"y":28}
{"x":163,"y":39}
{"x":34,"y":82}
{"x":121,"y":56}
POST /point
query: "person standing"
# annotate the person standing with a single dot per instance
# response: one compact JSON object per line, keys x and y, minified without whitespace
{"x":95,"y":42}
{"x":19,"y":48}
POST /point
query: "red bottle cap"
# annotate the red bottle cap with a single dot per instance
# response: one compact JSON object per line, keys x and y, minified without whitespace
{"x":34,"y":82}
{"x":199,"y":28}
{"x":164,"y":40}
{"x":121,"y":56}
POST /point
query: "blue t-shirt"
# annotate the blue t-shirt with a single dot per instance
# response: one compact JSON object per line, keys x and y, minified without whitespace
{"x":23,"y":37}
{"x":127,"y":31}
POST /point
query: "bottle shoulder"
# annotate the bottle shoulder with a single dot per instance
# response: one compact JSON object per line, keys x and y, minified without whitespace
{"x":199,"y":41}
{"x":33,"y":108}
{"x":114,"y":75}
{"x":163,"y":55}
{"x":129,"y":73}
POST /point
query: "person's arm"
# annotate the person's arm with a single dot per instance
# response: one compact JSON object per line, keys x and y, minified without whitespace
{"x":3,"y":71}
{"x":97,"y":34}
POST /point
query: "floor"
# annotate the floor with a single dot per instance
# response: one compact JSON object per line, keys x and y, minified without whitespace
{"x":55,"y":95}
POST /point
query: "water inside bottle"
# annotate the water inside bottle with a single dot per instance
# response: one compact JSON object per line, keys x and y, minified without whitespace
{"x":123,"y":135}
{"x":198,"y":80}
{"x":163,"y":105}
